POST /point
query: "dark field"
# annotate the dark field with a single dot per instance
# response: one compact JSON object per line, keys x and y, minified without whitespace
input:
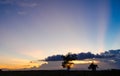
{"x":61,"y":73}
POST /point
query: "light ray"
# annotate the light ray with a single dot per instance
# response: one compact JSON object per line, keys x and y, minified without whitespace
{"x":103,"y":19}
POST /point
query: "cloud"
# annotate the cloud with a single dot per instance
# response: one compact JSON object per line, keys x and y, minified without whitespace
{"x":20,"y":3}
{"x":12,"y":63}
{"x":22,"y":12}
{"x":7,"y":1}
{"x":104,"y":64}
{"x":29,"y":4}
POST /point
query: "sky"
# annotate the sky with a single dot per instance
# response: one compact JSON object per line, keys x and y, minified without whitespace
{"x":36,"y":29}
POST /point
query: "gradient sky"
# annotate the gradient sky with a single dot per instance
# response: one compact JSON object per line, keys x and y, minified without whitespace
{"x":35,"y":29}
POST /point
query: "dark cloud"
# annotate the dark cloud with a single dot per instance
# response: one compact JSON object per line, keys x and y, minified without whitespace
{"x":106,"y":54}
{"x":104,"y":64}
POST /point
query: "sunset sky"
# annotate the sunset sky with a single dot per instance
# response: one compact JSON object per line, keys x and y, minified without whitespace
{"x":35,"y":29}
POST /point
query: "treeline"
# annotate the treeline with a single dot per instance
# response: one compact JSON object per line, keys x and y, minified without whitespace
{"x":82,"y":55}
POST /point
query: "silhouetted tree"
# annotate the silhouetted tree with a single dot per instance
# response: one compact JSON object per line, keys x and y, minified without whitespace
{"x":93,"y":66}
{"x":67,"y":60}
{"x":0,"y":69}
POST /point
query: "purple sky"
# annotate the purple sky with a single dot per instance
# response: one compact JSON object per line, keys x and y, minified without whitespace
{"x":35,"y":29}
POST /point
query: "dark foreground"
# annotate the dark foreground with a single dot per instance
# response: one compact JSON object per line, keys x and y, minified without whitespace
{"x":61,"y":73}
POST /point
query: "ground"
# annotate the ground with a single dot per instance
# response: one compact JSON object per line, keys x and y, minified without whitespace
{"x":60,"y":73}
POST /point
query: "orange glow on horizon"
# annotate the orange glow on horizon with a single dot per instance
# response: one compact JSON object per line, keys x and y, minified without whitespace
{"x":21,"y":65}
{"x":18,"y":66}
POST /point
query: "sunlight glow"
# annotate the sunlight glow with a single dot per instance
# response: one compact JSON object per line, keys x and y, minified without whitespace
{"x":16,"y":63}
{"x":84,"y":61}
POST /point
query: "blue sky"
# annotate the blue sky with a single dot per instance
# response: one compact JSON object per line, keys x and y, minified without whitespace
{"x":35,"y":29}
{"x":112,"y":35}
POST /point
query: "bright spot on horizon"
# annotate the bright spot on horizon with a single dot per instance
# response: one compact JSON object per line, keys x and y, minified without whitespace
{"x":84,"y":61}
